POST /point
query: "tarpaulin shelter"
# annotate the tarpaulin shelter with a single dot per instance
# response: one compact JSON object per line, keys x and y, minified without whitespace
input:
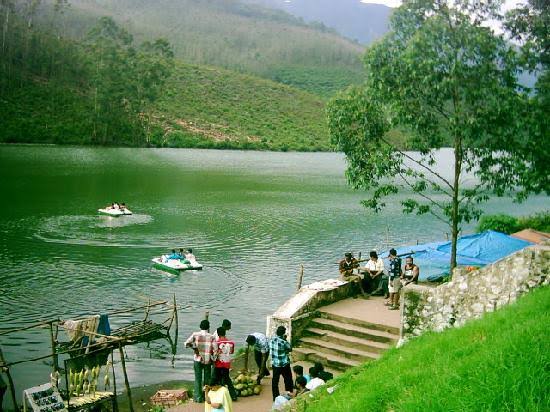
{"x":479,"y":249}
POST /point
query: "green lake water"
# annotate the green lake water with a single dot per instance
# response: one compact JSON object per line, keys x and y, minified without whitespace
{"x":252,"y":219}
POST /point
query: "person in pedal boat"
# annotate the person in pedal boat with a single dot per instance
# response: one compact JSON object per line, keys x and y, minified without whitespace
{"x":174,"y":255}
{"x":183,"y":257}
{"x":189,"y":254}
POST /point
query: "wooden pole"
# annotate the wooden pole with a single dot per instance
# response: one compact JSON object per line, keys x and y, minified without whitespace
{"x":300,"y":278}
{"x":54,"y":351}
{"x":147,"y":310}
{"x":177,"y":323}
{"x":6,"y":370}
{"x":115,"y":403}
{"x":35,"y":325}
{"x":126,"y":382}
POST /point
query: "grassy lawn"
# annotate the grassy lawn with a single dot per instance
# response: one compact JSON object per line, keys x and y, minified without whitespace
{"x":498,"y":363}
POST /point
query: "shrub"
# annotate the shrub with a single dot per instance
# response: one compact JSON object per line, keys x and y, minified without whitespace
{"x":510,"y":224}
{"x":500,"y":223}
{"x":539,"y":221}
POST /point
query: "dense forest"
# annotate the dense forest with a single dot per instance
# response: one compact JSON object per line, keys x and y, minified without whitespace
{"x":232,"y":34}
{"x":109,"y":88}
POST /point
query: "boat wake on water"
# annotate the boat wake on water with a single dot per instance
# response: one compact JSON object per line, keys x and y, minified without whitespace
{"x":91,"y":230}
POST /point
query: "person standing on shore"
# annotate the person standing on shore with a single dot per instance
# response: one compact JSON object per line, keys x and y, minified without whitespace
{"x":280,"y":360}
{"x":261,"y":352}
{"x":223,"y":349}
{"x":226,"y":324}
{"x":395,"y":273}
{"x":202,"y":343}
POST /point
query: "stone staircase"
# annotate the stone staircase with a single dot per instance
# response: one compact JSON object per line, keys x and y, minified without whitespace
{"x":340,"y":342}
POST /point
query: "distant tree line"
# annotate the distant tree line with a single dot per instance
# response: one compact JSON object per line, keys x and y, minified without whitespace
{"x":105,"y":84}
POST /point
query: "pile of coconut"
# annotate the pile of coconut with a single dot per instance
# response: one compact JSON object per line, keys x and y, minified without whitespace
{"x":245,"y":385}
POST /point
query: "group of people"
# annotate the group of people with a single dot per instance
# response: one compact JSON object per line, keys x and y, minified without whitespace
{"x":116,"y":206}
{"x":213,"y":353}
{"x":373,"y":278}
{"x":303,"y":383}
{"x":186,"y":256}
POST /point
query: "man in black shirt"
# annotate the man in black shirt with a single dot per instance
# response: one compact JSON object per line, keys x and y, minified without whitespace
{"x":395,"y":275}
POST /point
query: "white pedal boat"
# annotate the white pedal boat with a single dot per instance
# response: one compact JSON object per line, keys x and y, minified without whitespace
{"x":115,"y":212}
{"x":175,"y":265}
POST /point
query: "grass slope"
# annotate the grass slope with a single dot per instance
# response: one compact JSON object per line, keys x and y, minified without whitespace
{"x":230,"y":110}
{"x":498,"y":363}
{"x":202,"y":107}
{"x":234,"y":35}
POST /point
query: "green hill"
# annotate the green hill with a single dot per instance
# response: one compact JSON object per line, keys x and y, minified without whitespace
{"x":212,"y":107}
{"x":497,"y":363}
{"x":232,"y":34}
{"x":202,"y":107}
{"x":49,"y":94}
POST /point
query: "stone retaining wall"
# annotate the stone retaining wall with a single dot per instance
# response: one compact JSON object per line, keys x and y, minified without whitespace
{"x":471,"y":294}
{"x":294,"y":314}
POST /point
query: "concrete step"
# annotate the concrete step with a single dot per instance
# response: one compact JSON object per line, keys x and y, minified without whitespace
{"x":358,"y":322}
{"x":324,"y":347}
{"x":328,"y":360}
{"x":354,"y":330}
{"x":366,"y":345}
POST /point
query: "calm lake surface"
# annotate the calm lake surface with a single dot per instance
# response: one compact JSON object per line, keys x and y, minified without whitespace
{"x":251,"y":217}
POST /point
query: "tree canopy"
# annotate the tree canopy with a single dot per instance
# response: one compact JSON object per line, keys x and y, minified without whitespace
{"x":441,"y":74}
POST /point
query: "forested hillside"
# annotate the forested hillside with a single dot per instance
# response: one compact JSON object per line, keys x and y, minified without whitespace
{"x":111,"y":89}
{"x":351,"y":18}
{"x":232,"y":34}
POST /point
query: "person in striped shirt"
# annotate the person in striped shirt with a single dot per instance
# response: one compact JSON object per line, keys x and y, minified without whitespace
{"x":202,"y":343}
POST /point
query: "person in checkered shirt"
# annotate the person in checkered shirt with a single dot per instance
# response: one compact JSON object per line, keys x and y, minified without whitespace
{"x":202,"y":343}
{"x":280,"y":360}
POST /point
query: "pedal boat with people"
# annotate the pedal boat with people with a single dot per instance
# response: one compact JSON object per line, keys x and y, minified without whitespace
{"x":175,"y":265}
{"x":114,"y":212}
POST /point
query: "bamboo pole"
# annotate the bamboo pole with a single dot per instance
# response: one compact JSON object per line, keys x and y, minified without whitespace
{"x":61,"y":352}
{"x":115,"y":402}
{"x":6,"y":370}
{"x":126,"y":382}
{"x":300,"y":278}
{"x":67,"y":385}
{"x":47,"y":322}
{"x":54,"y":354}
{"x":34,"y":325}
{"x":147,"y":310}
{"x":177,"y":323}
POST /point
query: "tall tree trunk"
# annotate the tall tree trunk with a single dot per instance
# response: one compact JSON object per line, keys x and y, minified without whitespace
{"x":5,"y":28}
{"x":455,"y":218}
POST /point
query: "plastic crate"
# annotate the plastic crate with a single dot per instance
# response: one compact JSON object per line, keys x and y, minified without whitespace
{"x":169,"y":397}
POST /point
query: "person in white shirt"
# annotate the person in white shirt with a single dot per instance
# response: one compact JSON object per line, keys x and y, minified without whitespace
{"x":315,"y":381}
{"x":373,"y":270}
{"x":189,"y":255}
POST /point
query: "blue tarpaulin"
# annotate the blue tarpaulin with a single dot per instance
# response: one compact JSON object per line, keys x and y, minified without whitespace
{"x":479,"y":249}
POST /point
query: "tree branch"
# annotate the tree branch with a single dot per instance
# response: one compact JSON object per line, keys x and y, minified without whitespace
{"x":422,"y":195}
{"x":421,"y":165}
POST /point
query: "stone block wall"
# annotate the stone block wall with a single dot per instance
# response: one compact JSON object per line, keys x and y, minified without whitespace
{"x":470,"y":294}
{"x":295,"y":313}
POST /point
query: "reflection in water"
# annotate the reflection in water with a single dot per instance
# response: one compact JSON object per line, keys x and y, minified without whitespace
{"x":251,"y":218}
